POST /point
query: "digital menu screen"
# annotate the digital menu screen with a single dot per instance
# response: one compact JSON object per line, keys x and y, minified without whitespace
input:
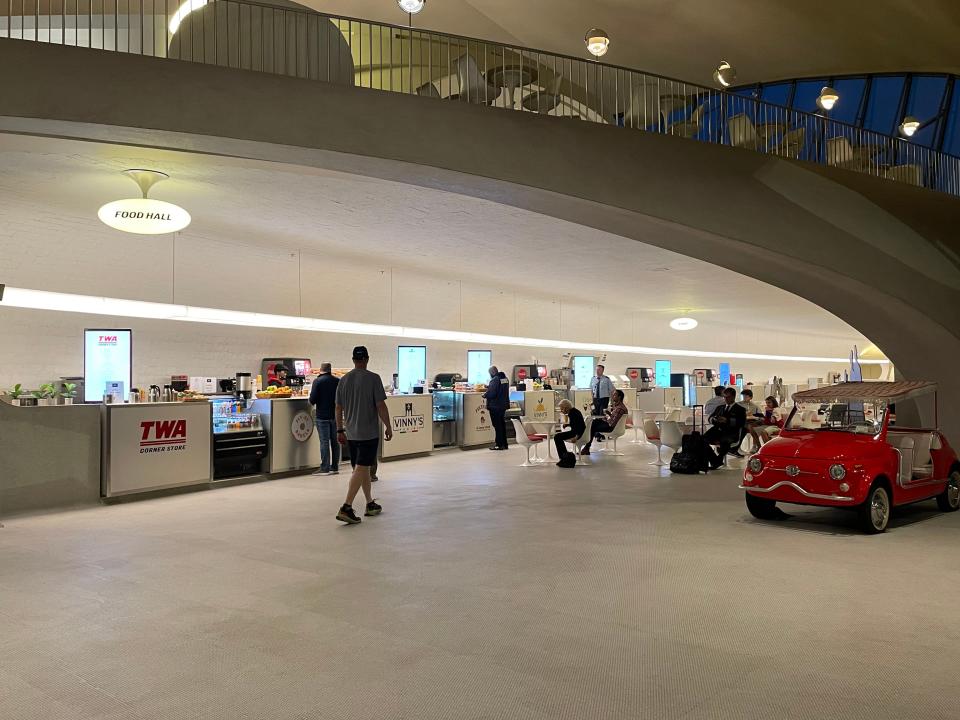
{"x":107,"y":358}
{"x":478,"y":366}
{"x":661,"y":372}
{"x":411,"y":366}
{"x":582,"y":371}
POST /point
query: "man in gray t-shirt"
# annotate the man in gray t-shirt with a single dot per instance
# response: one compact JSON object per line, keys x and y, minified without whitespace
{"x":361,"y":407}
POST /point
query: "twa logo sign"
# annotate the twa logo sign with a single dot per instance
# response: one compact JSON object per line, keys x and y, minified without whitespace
{"x":163,"y":436}
{"x":106,"y":340}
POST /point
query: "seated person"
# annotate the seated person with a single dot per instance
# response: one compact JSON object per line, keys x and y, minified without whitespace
{"x":753,"y":416}
{"x":575,"y":428}
{"x":768,"y":424}
{"x":728,"y":422}
{"x":714,"y":402}
{"x":611,"y":416}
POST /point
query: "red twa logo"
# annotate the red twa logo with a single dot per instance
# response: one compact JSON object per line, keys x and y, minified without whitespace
{"x":163,"y":432}
{"x":107,"y":340}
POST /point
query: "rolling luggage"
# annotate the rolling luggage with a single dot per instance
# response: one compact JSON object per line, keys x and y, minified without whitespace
{"x":692,"y":457}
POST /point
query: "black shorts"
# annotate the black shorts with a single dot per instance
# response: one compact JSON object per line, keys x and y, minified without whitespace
{"x":363,"y":452}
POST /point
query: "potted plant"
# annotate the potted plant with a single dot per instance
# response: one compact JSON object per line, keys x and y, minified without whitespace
{"x":68,"y":392}
{"x":15,"y":392}
{"x":46,"y":395}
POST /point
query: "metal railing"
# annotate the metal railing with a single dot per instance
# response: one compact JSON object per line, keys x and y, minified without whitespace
{"x":445,"y":67}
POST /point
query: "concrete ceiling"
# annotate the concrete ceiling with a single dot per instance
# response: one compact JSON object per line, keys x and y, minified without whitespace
{"x":280,"y":207}
{"x":764,"y":40}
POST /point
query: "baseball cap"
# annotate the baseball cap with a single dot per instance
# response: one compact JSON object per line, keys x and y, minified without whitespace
{"x":360,"y":353}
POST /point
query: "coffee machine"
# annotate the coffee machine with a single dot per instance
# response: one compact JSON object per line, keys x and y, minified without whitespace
{"x":243,"y":385}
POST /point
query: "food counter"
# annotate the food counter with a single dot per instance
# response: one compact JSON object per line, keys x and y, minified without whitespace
{"x":154,"y":446}
{"x":412,"y":420}
{"x":540,"y":405}
{"x":473,"y":421}
{"x":291,"y":433}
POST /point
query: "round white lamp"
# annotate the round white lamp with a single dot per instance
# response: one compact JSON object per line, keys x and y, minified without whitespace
{"x":909,"y":126}
{"x":725,"y":74}
{"x":683,"y":323}
{"x":597,"y":42}
{"x":828,"y":98}
{"x":411,"y":7}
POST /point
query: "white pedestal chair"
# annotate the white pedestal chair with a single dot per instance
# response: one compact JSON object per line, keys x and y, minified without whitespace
{"x":527,"y":441}
{"x":581,"y":442}
{"x":652,"y":431}
{"x":671,"y":435}
{"x":617,"y":432}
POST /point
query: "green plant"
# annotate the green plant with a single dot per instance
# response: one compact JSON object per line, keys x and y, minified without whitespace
{"x":47,"y":390}
{"x":69,"y":390}
{"x":16,"y":391}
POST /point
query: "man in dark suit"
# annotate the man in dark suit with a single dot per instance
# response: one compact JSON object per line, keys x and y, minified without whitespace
{"x":498,"y":400}
{"x":728,"y":422}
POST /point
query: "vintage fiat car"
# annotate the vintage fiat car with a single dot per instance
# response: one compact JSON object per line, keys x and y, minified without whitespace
{"x":858,"y":445}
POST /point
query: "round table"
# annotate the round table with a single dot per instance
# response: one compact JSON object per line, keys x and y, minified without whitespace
{"x":511,"y":77}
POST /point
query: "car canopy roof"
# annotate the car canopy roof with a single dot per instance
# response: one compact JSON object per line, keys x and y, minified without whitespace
{"x":890,"y":392}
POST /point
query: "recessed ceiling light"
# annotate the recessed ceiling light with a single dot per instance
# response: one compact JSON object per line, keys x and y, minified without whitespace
{"x":683,"y":323}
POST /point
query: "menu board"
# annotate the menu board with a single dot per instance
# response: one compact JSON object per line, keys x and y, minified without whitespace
{"x":661,"y":373}
{"x":582,"y":371}
{"x":478,"y":366}
{"x":107,"y":358}
{"x":411,"y":366}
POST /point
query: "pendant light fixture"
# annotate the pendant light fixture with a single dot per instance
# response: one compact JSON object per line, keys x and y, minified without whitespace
{"x":144,"y":216}
{"x":725,"y":74}
{"x":597,"y":42}
{"x":909,"y":126}
{"x":828,"y":98}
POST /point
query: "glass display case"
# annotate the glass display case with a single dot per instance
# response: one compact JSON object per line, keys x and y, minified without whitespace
{"x":239,"y":440}
{"x":230,"y":416}
{"x":444,"y":406}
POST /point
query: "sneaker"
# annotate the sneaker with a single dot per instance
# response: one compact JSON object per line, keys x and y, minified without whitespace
{"x":372,"y":509}
{"x":321,"y":472}
{"x":373,"y":478}
{"x":347,"y":515}
{"x":334,"y":471}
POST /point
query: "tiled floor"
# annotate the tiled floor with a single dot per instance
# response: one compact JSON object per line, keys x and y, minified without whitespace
{"x":484,"y":591}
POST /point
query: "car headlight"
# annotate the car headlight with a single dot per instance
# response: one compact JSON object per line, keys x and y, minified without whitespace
{"x":838,"y":472}
{"x":755,"y":465}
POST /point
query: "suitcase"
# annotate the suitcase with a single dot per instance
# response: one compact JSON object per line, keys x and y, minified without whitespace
{"x":692,"y":457}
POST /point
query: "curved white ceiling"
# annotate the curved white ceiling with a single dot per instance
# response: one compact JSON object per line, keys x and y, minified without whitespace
{"x":765,"y":40}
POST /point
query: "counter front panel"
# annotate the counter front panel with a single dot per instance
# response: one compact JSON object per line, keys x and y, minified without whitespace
{"x":291,"y":434}
{"x":412,"y":419}
{"x":473,"y":421}
{"x":152,"y":446}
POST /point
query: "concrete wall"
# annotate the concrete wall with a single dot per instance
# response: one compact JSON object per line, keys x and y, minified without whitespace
{"x":827,"y":236}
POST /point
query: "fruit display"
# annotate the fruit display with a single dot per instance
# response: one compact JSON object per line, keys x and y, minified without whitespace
{"x":192,"y":396}
{"x":273,"y":392}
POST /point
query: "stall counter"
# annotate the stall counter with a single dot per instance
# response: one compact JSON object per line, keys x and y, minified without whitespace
{"x":291,"y":433}
{"x":412,"y":419}
{"x":154,"y":446}
{"x":473,"y":421}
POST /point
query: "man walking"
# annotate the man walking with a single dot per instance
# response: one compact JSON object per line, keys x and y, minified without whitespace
{"x":361,"y":407}
{"x":601,"y":387}
{"x":498,"y":400}
{"x":323,"y":396}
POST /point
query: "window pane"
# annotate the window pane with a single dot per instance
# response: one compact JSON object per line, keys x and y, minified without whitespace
{"x":926,"y":94}
{"x":850,"y":91}
{"x":805,"y":98}
{"x":951,"y":139}
{"x":778,"y":94}
{"x":883,"y":104}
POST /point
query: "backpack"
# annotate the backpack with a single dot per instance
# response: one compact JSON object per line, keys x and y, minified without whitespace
{"x":692,"y":457}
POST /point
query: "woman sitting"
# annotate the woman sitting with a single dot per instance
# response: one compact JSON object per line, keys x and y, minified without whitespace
{"x":769,"y":424}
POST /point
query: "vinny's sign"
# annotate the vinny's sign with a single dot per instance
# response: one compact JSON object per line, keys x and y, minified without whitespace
{"x":409,"y":422}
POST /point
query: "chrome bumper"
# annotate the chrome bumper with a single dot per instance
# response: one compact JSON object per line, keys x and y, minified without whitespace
{"x":815,"y":496}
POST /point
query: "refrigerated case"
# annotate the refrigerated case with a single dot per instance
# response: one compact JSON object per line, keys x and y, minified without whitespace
{"x":444,"y":418}
{"x":239,"y":440}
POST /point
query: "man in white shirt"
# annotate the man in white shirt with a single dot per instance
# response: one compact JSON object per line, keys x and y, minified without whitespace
{"x":713,"y":403}
{"x":601,"y":388}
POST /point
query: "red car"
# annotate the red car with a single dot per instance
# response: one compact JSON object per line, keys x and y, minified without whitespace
{"x":849,"y":445}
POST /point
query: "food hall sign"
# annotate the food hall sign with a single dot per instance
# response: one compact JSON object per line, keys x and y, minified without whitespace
{"x":144,"y":216}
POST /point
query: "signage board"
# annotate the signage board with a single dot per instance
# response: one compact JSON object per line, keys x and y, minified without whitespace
{"x":411,"y":419}
{"x":661,"y":373}
{"x":478,"y":366}
{"x":107,"y":358}
{"x":583,"y":367}
{"x":411,"y":366}
{"x":725,"y":374}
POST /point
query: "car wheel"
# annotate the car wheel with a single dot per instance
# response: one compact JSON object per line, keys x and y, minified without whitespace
{"x":761,"y":508}
{"x":949,"y":499}
{"x":875,"y":512}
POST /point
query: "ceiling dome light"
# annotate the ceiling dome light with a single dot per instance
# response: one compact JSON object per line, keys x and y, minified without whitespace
{"x":828,"y":98}
{"x":142,"y":215}
{"x":909,"y":126}
{"x":683,"y":323}
{"x":725,"y":74}
{"x":597,"y":41}
{"x":411,"y":6}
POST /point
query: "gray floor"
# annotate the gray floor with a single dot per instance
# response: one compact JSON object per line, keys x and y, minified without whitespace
{"x":483,"y":591}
